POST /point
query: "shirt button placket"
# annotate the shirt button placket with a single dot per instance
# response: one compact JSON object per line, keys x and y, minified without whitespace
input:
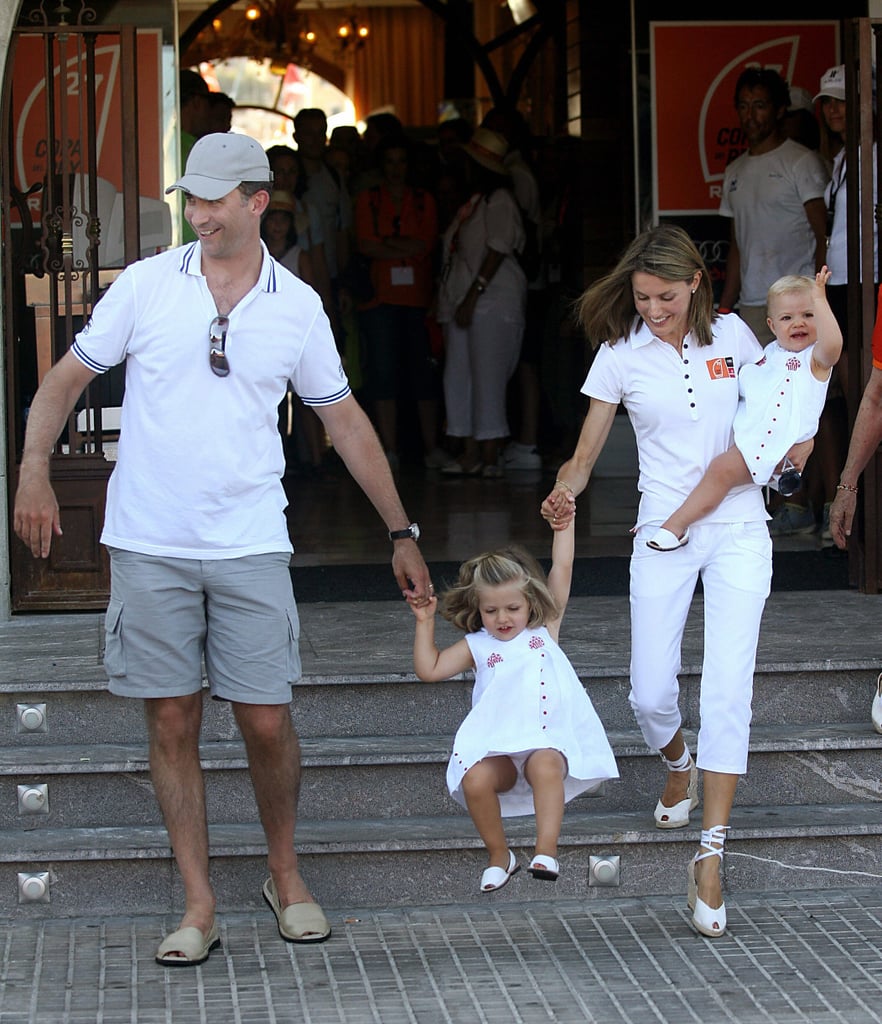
{"x":687,"y":381}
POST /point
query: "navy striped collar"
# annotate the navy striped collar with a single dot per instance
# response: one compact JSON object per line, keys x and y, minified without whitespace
{"x":191,"y":263}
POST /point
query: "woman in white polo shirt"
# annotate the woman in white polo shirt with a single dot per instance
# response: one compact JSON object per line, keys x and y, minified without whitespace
{"x":674,"y":365}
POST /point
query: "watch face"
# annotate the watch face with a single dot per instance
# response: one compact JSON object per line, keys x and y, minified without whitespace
{"x":412,"y":531}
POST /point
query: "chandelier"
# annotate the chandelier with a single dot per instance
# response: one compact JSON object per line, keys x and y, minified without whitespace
{"x":351,"y":32}
{"x":278,"y":31}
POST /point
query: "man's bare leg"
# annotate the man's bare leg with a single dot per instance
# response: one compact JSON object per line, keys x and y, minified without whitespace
{"x":274,"y":762}
{"x":173,"y":726}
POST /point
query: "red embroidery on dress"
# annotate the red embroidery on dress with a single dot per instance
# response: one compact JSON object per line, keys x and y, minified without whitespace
{"x":536,"y":642}
{"x":760,"y":362}
{"x":494,"y":660}
{"x":793,"y":363}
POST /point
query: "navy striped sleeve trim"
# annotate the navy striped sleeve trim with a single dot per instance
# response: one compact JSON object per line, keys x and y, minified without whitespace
{"x":329,"y":399}
{"x":87,"y":360}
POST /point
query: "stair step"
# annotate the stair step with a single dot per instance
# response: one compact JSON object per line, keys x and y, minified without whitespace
{"x":438,"y":832}
{"x":439,"y":859}
{"x":403,"y":776}
{"x":332,"y":751}
{"x":83,"y":711}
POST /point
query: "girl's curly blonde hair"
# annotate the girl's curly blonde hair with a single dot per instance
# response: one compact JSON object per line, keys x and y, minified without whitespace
{"x":460,"y":603}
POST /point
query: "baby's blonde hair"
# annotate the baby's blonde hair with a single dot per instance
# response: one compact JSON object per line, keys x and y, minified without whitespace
{"x":787,"y":285}
{"x":461,"y":604}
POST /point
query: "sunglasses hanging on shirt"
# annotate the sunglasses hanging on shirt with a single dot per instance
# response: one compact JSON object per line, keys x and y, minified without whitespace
{"x":217,"y":342}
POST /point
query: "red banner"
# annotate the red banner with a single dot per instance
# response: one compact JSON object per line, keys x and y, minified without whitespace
{"x":696,"y":131}
{"x":31,"y":149}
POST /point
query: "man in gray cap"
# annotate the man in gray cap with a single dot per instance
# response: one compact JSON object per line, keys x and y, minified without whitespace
{"x":210,"y":333}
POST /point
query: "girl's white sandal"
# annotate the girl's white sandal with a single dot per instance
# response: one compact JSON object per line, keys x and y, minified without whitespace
{"x":495,"y":878}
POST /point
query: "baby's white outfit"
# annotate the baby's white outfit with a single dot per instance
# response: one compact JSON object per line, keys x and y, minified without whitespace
{"x":528,"y":697}
{"x":781,"y":403}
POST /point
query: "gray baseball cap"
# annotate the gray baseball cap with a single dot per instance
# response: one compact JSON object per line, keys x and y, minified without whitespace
{"x":220,"y":162}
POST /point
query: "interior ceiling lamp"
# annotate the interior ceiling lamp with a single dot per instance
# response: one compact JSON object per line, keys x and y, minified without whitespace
{"x":352,"y":33}
{"x":266,"y":29}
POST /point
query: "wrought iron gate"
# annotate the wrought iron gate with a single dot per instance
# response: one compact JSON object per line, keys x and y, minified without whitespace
{"x":55,"y":223}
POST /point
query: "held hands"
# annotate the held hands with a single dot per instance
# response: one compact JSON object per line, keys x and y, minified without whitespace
{"x":559,"y":508}
{"x":423,"y":608}
{"x":411,"y":571}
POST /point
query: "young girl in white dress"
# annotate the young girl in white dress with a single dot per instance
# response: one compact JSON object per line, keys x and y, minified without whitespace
{"x":781,"y":398}
{"x":532,"y":740}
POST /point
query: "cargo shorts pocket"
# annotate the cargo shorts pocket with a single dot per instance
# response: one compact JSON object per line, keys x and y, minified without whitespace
{"x":294,"y":666}
{"x":114,"y":651}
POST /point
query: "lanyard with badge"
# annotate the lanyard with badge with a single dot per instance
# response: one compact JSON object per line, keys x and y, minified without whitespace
{"x":401,"y":274}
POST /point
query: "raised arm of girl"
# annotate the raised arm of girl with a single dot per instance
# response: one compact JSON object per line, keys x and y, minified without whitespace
{"x":560,"y":576}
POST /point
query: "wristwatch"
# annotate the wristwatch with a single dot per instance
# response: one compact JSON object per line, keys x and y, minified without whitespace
{"x":412,"y":532}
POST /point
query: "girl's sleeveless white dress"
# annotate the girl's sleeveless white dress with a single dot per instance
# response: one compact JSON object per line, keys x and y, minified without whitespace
{"x":528,"y":697}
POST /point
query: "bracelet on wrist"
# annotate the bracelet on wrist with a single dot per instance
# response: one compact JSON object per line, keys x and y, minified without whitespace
{"x":724,"y":309}
{"x":846,"y":487}
{"x":481,"y":284}
{"x":565,"y":485}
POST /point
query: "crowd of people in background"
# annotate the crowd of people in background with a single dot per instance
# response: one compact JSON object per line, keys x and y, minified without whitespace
{"x":387,"y":225}
{"x":448,"y":265}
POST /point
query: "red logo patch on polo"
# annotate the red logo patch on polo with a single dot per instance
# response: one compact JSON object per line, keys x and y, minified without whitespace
{"x":722,"y":368}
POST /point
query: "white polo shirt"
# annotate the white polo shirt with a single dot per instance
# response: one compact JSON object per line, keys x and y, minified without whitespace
{"x":766,"y":196}
{"x":200,"y":457}
{"x":682,"y":412}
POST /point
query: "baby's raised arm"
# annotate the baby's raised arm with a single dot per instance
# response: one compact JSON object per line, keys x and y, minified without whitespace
{"x":829,"y":345}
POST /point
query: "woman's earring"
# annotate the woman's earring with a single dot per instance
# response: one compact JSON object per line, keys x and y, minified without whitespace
{"x":693,"y":291}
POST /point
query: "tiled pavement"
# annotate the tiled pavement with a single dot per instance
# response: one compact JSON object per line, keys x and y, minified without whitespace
{"x":812,"y":957}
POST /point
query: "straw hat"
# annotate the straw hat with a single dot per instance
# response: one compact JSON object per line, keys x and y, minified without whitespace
{"x":487,"y":148}
{"x":282,"y":200}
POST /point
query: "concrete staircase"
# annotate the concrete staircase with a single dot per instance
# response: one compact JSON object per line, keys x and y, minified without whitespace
{"x":377,"y":827}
